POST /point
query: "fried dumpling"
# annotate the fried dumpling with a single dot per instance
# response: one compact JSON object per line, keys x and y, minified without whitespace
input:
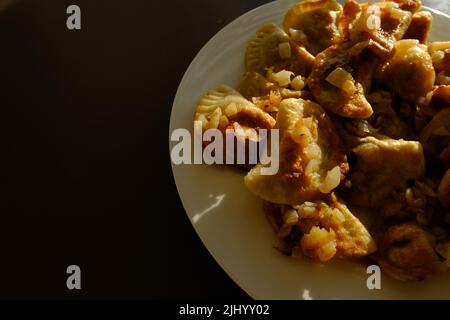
{"x":337,"y":86}
{"x":320,"y":230}
{"x":407,"y":252}
{"x":435,"y":137}
{"x":227,"y":110}
{"x":313,"y":24}
{"x":393,"y":24}
{"x":311,"y":163}
{"x":383,"y":166}
{"x":410,"y":71}
{"x":272,"y":48}
{"x":420,"y":27}
{"x":219,"y":108}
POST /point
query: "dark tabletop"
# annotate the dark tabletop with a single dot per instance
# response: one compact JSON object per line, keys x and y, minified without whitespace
{"x":85,"y":169}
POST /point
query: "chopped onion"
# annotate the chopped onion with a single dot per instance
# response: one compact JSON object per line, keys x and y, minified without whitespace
{"x":283,"y":78}
{"x":349,"y":87}
{"x":331,"y":181}
{"x":313,"y":151}
{"x":231,"y":109}
{"x":312,"y":166}
{"x":284,"y":50}
{"x":338,"y":77}
{"x":297,"y":35}
{"x":306,"y":211}
{"x":290,"y":217}
{"x":298,"y":83}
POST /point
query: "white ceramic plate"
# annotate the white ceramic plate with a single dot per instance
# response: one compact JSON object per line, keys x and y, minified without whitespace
{"x":230,"y":220}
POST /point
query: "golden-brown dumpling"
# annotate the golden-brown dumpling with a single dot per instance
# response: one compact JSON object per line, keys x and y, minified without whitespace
{"x":312,"y":24}
{"x":394,"y":23}
{"x":410,"y":71}
{"x":337,"y":86}
{"x":420,"y":27}
{"x":219,"y":108}
{"x":311,"y":163}
{"x":382,"y":167}
{"x":226,"y":109}
{"x":407,"y":252}
{"x":435,"y":137}
{"x":320,"y":230}
{"x":272,"y":48}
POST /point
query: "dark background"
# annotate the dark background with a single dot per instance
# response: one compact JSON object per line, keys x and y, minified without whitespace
{"x":85,"y":170}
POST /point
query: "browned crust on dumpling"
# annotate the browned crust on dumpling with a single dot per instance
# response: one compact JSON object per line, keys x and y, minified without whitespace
{"x":406,"y":252}
{"x":331,"y":97}
{"x":317,"y":21}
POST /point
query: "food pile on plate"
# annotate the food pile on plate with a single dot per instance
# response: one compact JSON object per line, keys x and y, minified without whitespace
{"x":361,"y":101}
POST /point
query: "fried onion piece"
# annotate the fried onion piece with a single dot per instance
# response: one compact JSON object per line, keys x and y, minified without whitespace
{"x":339,"y":87}
{"x":406,"y":252}
{"x":313,"y":24}
{"x":272,"y":48}
{"x":311,"y":163}
{"x":435,"y":137}
{"x":420,"y":27}
{"x":382,"y":167}
{"x":410,"y":71}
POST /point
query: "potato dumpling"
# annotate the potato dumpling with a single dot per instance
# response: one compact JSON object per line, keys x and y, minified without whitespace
{"x":435,"y":137}
{"x":383,"y":166}
{"x":406,"y":252}
{"x":410,"y":71}
{"x":321,"y":230}
{"x":420,"y":27}
{"x":355,"y":26}
{"x":311,"y":163}
{"x":359,"y":24}
{"x":338,"y":86}
{"x":219,"y":108}
{"x":273,"y":48}
{"x":226,"y":109}
{"x":313,"y":24}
